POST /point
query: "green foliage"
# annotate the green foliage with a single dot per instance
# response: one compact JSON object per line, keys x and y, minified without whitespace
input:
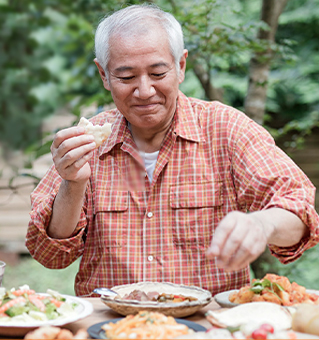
{"x":298,"y":128}
{"x":28,"y":271}
{"x":304,"y":270}
{"x":218,"y":34}
{"x":294,"y":88}
{"x":49,"y":53}
{"x":21,"y":70}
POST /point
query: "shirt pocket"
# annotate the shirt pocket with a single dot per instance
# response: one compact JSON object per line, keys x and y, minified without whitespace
{"x":110,"y":218}
{"x":110,"y":201}
{"x":196,"y":208}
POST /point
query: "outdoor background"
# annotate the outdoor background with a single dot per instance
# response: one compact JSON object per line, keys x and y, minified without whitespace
{"x":260,"y":56}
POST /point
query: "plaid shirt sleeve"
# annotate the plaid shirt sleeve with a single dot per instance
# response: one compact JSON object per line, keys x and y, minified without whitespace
{"x":265,"y":177}
{"x":52,"y":253}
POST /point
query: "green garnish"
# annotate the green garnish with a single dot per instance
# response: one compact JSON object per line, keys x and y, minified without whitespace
{"x":259,"y":285}
{"x":233,"y":329}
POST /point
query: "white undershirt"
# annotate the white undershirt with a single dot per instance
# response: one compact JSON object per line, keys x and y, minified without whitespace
{"x":150,"y":159}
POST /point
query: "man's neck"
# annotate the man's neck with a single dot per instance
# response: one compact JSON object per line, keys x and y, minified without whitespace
{"x":148,"y":141}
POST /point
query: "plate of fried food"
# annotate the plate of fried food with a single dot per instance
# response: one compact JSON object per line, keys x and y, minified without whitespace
{"x":144,"y":325}
{"x":163,"y":297}
{"x":23,"y":310}
{"x":271,"y":288}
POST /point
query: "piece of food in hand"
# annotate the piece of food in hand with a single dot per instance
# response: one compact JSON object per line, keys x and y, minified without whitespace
{"x":53,"y":332}
{"x":276,"y":289}
{"x":256,"y":314}
{"x":306,"y":319}
{"x":100,"y":132}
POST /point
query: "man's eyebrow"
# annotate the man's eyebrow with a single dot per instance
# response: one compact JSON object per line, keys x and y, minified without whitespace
{"x":123,"y":68}
{"x":129,"y":68}
{"x":160,"y":64}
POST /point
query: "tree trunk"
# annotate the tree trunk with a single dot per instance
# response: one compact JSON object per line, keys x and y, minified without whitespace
{"x":255,"y":100}
{"x":211,"y":92}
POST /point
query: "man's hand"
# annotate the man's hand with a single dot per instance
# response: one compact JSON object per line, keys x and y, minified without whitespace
{"x":239,"y":239}
{"x":71,"y":149}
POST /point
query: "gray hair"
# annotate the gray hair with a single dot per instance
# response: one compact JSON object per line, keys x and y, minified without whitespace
{"x":131,"y":19}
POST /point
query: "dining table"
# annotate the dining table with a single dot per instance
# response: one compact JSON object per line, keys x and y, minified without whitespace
{"x":102,"y":312}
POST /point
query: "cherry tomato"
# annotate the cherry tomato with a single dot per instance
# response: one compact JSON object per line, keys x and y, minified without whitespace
{"x":212,"y":329}
{"x":259,"y":334}
{"x":267,"y":327}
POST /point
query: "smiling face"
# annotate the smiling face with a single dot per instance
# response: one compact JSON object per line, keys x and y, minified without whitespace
{"x":143,"y":79}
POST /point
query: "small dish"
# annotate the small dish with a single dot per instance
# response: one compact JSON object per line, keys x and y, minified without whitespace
{"x":223,"y":299}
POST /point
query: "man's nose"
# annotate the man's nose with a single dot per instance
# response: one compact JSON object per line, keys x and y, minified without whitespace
{"x":145,"y":88}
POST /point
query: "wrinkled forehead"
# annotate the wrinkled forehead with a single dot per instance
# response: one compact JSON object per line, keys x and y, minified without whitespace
{"x":138,"y":28}
{"x":140,"y":37}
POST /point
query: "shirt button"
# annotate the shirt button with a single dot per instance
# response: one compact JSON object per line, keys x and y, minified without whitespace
{"x":150,"y":258}
{"x":149,"y":214}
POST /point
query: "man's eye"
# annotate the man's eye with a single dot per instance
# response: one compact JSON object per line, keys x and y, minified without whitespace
{"x":159,"y":74}
{"x":126,"y":78}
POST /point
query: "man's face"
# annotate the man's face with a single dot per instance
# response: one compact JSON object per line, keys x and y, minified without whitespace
{"x":143,"y":79}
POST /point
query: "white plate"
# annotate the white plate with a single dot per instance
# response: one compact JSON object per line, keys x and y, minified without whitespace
{"x":177,"y":310}
{"x":19,"y":329}
{"x":223,"y":298}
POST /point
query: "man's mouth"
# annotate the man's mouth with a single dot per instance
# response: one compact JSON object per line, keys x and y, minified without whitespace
{"x":148,"y":106}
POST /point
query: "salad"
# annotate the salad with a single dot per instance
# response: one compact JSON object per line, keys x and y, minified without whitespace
{"x":25,"y":306}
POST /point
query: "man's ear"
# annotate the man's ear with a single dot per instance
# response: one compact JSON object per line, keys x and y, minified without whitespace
{"x":102,"y":75}
{"x":182,"y":65}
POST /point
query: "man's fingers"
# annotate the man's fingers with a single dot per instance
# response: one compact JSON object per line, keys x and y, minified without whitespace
{"x":71,"y":171}
{"x":238,"y":240}
{"x":64,"y":134}
{"x":74,"y":155}
{"x":222,"y":232}
{"x":71,"y":144}
{"x":234,"y":243}
{"x":245,"y":254}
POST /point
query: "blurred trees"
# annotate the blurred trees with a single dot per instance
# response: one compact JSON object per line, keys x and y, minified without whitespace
{"x":255,"y":101}
{"x":48,"y":52}
{"x":22,"y":69}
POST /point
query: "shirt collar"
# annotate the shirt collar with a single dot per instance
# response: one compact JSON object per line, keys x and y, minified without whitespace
{"x":186,"y":125}
{"x":120,"y":133}
{"x":187,"y":120}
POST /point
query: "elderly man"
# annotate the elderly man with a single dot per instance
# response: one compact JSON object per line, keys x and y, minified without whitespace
{"x":183,"y":190}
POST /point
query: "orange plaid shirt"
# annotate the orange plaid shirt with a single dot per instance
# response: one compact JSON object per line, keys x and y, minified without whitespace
{"x":213,"y":160}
